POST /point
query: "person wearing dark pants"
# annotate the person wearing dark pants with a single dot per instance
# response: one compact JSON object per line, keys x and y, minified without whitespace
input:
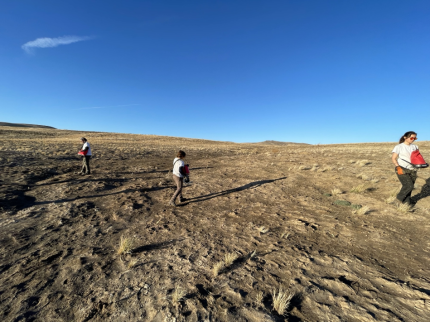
{"x":178,"y":177}
{"x":86,"y":153}
{"x":407,"y":179}
{"x":405,"y":170}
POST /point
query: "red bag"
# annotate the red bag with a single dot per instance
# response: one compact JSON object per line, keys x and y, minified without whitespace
{"x":417,"y":160}
{"x":83,"y":152}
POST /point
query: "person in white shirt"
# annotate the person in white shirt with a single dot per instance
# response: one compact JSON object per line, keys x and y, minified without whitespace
{"x":406,"y":172}
{"x":178,"y":177}
{"x":86,"y":156}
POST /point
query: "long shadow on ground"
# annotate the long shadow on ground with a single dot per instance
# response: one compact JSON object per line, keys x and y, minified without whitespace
{"x":226,"y":192}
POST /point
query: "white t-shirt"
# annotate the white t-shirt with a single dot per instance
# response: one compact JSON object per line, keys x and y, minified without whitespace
{"x":86,"y":144}
{"x":404,"y":151}
{"x":177,"y":163}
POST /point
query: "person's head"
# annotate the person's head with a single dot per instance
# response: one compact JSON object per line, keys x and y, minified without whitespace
{"x":181,"y":154}
{"x":409,"y":137}
{"x":83,"y":140}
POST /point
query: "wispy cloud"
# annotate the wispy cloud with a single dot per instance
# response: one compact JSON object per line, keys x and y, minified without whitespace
{"x":52,"y":42}
{"x":89,"y":108}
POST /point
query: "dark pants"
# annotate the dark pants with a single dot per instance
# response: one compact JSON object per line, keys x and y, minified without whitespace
{"x":179,"y":184}
{"x":408,"y":180}
{"x":86,"y":164}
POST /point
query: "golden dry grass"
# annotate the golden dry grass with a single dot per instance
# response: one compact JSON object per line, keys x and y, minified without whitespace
{"x":281,"y":300}
{"x":125,"y":245}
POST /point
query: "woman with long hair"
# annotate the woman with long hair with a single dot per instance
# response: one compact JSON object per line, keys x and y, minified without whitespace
{"x":405,"y":171}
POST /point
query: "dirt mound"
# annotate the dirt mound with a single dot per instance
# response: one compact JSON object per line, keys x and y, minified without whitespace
{"x":315,"y":222}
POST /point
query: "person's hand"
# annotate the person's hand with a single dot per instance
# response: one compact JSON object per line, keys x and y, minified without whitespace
{"x":399,"y":170}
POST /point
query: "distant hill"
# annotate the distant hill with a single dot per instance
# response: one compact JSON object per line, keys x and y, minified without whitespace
{"x":271,"y":142}
{"x":27,"y":125}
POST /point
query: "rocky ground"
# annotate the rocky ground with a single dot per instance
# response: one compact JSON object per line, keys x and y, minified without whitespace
{"x":316,"y":223}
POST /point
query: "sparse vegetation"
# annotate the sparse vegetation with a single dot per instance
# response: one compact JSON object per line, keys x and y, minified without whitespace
{"x":336,"y":191}
{"x":259,"y":297}
{"x":359,"y":189}
{"x":125,"y":245}
{"x":217,"y":268}
{"x":229,"y":259}
{"x":404,"y":208}
{"x":262,"y":229}
{"x":281,"y":300}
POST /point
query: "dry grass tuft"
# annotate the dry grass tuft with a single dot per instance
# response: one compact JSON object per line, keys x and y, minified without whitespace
{"x":361,"y":211}
{"x":217,"y":268}
{"x":262,"y":229}
{"x":404,"y":207}
{"x":390,"y":199}
{"x":125,"y":245}
{"x":336,"y":191}
{"x":359,"y":189}
{"x":132,"y":263}
{"x":259,"y":297}
{"x":229,"y":258}
{"x":178,"y":294}
{"x":281,"y":300}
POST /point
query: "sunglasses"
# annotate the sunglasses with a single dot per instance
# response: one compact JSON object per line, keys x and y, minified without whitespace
{"x":411,"y":138}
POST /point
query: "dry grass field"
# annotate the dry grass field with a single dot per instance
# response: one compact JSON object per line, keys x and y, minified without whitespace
{"x":268,"y":233}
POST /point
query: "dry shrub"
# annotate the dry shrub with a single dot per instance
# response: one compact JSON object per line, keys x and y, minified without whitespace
{"x":229,"y":258}
{"x":375,"y":180}
{"x":281,"y":300}
{"x":304,"y":167}
{"x":125,"y":245}
{"x":351,"y":161}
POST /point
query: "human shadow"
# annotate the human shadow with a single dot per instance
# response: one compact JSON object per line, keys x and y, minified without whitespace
{"x":425,"y":192}
{"x":226,"y":192}
{"x":161,"y":245}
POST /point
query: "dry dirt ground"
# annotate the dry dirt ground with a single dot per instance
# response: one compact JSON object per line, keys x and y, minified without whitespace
{"x":258,"y":219}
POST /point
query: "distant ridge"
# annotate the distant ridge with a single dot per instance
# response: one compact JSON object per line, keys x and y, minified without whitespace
{"x":271,"y":142}
{"x":27,"y":125}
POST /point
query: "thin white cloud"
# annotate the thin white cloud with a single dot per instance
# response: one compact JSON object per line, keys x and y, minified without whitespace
{"x":51,"y":42}
{"x":88,"y":108}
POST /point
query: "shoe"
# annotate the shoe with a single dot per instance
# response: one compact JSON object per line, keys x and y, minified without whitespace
{"x":182,"y":199}
{"x":172,"y":203}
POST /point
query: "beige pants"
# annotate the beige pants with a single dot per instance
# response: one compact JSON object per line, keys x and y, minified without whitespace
{"x":179,"y":184}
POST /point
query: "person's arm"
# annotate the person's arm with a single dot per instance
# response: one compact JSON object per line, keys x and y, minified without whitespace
{"x":394,"y":159}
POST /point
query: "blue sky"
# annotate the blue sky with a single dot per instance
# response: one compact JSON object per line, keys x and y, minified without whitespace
{"x":314,"y":71}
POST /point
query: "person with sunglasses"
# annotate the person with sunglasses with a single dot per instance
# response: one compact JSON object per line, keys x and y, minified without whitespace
{"x":406,"y":172}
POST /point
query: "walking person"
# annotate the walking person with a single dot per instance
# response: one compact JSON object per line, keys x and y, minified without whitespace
{"x":86,"y":156}
{"x":405,"y":170}
{"x":178,"y":176}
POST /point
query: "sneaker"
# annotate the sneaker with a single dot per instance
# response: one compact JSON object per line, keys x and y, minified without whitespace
{"x":172,"y":203}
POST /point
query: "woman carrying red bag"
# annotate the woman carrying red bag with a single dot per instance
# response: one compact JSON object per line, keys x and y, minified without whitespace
{"x":85,"y":152}
{"x":405,"y":170}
